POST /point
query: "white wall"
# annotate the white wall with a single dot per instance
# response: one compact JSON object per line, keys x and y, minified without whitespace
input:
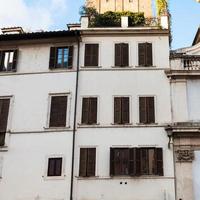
{"x":196,"y":175}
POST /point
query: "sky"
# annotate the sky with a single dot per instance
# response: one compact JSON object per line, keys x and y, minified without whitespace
{"x":35,"y":15}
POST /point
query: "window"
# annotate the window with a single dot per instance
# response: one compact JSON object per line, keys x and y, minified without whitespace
{"x":4,"y":110}
{"x":87,"y":162}
{"x":136,"y":161}
{"x":91,"y":55}
{"x":54,"y":166}
{"x":89,"y":110}
{"x":61,"y":57}
{"x":121,"y":55}
{"x":8,"y":60}
{"x":147,"y":110}
{"x":145,"y":54}
{"x":58,"y":112}
{"x":121,"y":110}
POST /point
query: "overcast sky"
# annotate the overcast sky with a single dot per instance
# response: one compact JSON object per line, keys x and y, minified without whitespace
{"x":55,"y":14}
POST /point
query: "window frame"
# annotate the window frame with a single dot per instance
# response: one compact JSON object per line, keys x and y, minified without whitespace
{"x":68,"y":111}
{"x":63,"y":175}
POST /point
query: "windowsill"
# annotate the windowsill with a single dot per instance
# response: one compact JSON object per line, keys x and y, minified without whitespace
{"x":145,"y":67}
{"x":87,"y":177}
{"x":56,"y":128}
{"x":150,"y":124}
{"x":48,"y":178}
{"x":90,"y":67}
{"x":61,"y":69}
{"x":122,"y":67}
{"x":8,"y":72}
{"x":3,"y":148}
{"x":87,"y":125}
{"x":128,"y":124}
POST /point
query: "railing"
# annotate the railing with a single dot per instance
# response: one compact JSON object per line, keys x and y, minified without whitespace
{"x":153,"y":21}
{"x":192,"y":63}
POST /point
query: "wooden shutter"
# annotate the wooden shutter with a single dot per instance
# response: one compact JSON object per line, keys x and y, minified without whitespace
{"x":137,"y":162}
{"x":70,"y":56}
{"x":149,"y":57}
{"x":112,"y":162}
{"x":159,"y":161}
{"x":1,"y":60}
{"x":4,"y":110}
{"x":132,"y":161}
{"x":125,"y":110}
{"x":93,"y":111}
{"x":125,"y":55}
{"x":150,"y":110}
{"x":83,"y":162}
{"x":142,"y":109}
{"x":91,"y":54}
{"x":52,"y":59}
{"x":58,"y":111}
{"x":118,"y":55}
{"x":144,"y":161}
{"x":91,"y":161}
{"x":85,"y":110}
{"x":2,"y":138}
{"x":142,"y":54}
{"x":15,"y":58}
{"x":51,"y":165}
{"x":58,"y":167}
{"x":117,"y":110}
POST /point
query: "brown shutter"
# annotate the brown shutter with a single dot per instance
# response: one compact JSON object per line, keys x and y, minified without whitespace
{"x":91,"y":54}
{"x":142,"y":108}
{"x":95,"y":58}
{"x":1,"y":60}
{"x":4,"y":110}
{"x":15,"y":57}
{"x":85,"y":110}
{"x":149,"y":57}
{"x":125,"y":55}
{"x":118,"y":55}
{"x":2,"y":138}
{"x":51,"y":166}
{"x":58,"y":167}
{"x":137,"y":162}
{"x":117,"y":110}
{"x":132,"y":161}
{"x":58,"y":111}
{"x":159,"y":161}
{"x":142,"y":54}
{"x":125,"y":110}
{"x":150,"y":110}
{"x":93,"y":111}
{"x":52,"y":59}
{"x":112,"y":162}
{"x":83,"y":162}
{"x":91,"y":161}
{"x":144,"y":161}
{"x":70,"y":57}
{"x":87,"y":54}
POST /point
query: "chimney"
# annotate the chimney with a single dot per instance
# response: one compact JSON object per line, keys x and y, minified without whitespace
{"x":84,"y":22}
{"x":12,"y":30}
{"x":124,"y":21}
{"x":164,"y":21}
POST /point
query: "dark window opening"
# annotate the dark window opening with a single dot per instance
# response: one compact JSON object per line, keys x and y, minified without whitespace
{"x":54,"y":167}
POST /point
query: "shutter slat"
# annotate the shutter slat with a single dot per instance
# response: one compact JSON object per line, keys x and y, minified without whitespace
{"x":159,"y":160}
{"x":15,"y":58}
{"x":93,"y":111}
{"x":91,"y":161}
{"x":70,"y":57}
{"x":125,"y":110}
{"x":83,"y":162}
{"x":141,"y":54}
{"x":52,"y":59}
{"x":117,"y":110}
{"x":58,"y":111}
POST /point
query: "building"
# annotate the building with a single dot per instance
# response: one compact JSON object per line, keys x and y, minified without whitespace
{"x":185,"y":89}
{"x":122,"y":5}
{"x":84,"y":114}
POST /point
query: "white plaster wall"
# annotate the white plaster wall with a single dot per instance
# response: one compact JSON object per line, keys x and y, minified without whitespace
{"x":196,"y":175}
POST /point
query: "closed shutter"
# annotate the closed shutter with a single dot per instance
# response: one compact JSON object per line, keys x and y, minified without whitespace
{"x":150,"y":110}
{"x":137,"y":162}
{"x":91,"y":54}
{"x":144,"y":161}
{"x":83,"y":162}
{"x":159,"y":161}
{"x":142,"y":54}
{"x":142,"y":109}
{"x":125,"y":110}
{"x":51,"y":166}
{"x":125,"y":55}
{"x":117,"y":110}
{"x":132,"y":161}
{"x":52,"y":59}
{"x":112,"y":162}
{"x":91,"y":161}
{"x":93,"y":111}
{"x":15,"y":58}
{"x":149,"y":57}
{"x":118,"y":55}
{"x":58,"y":111}
{"x":58,"y":167}
{"x":70,"y":56}
{"x":4,"y":109}
{"x":85,"y":110}
{"x":1,"y":60}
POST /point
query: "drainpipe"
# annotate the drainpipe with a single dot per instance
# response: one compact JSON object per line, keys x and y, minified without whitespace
{"x":75,"y":112}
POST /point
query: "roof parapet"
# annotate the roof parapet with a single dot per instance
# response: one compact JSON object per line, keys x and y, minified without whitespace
{"x":12,"y":30}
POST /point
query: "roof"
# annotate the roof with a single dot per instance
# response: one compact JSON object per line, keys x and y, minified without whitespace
{"x":197,"y":37}
{"x":38,"y":35}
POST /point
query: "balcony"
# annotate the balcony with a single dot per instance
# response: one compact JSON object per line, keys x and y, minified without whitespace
{"x":191,"y":63}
